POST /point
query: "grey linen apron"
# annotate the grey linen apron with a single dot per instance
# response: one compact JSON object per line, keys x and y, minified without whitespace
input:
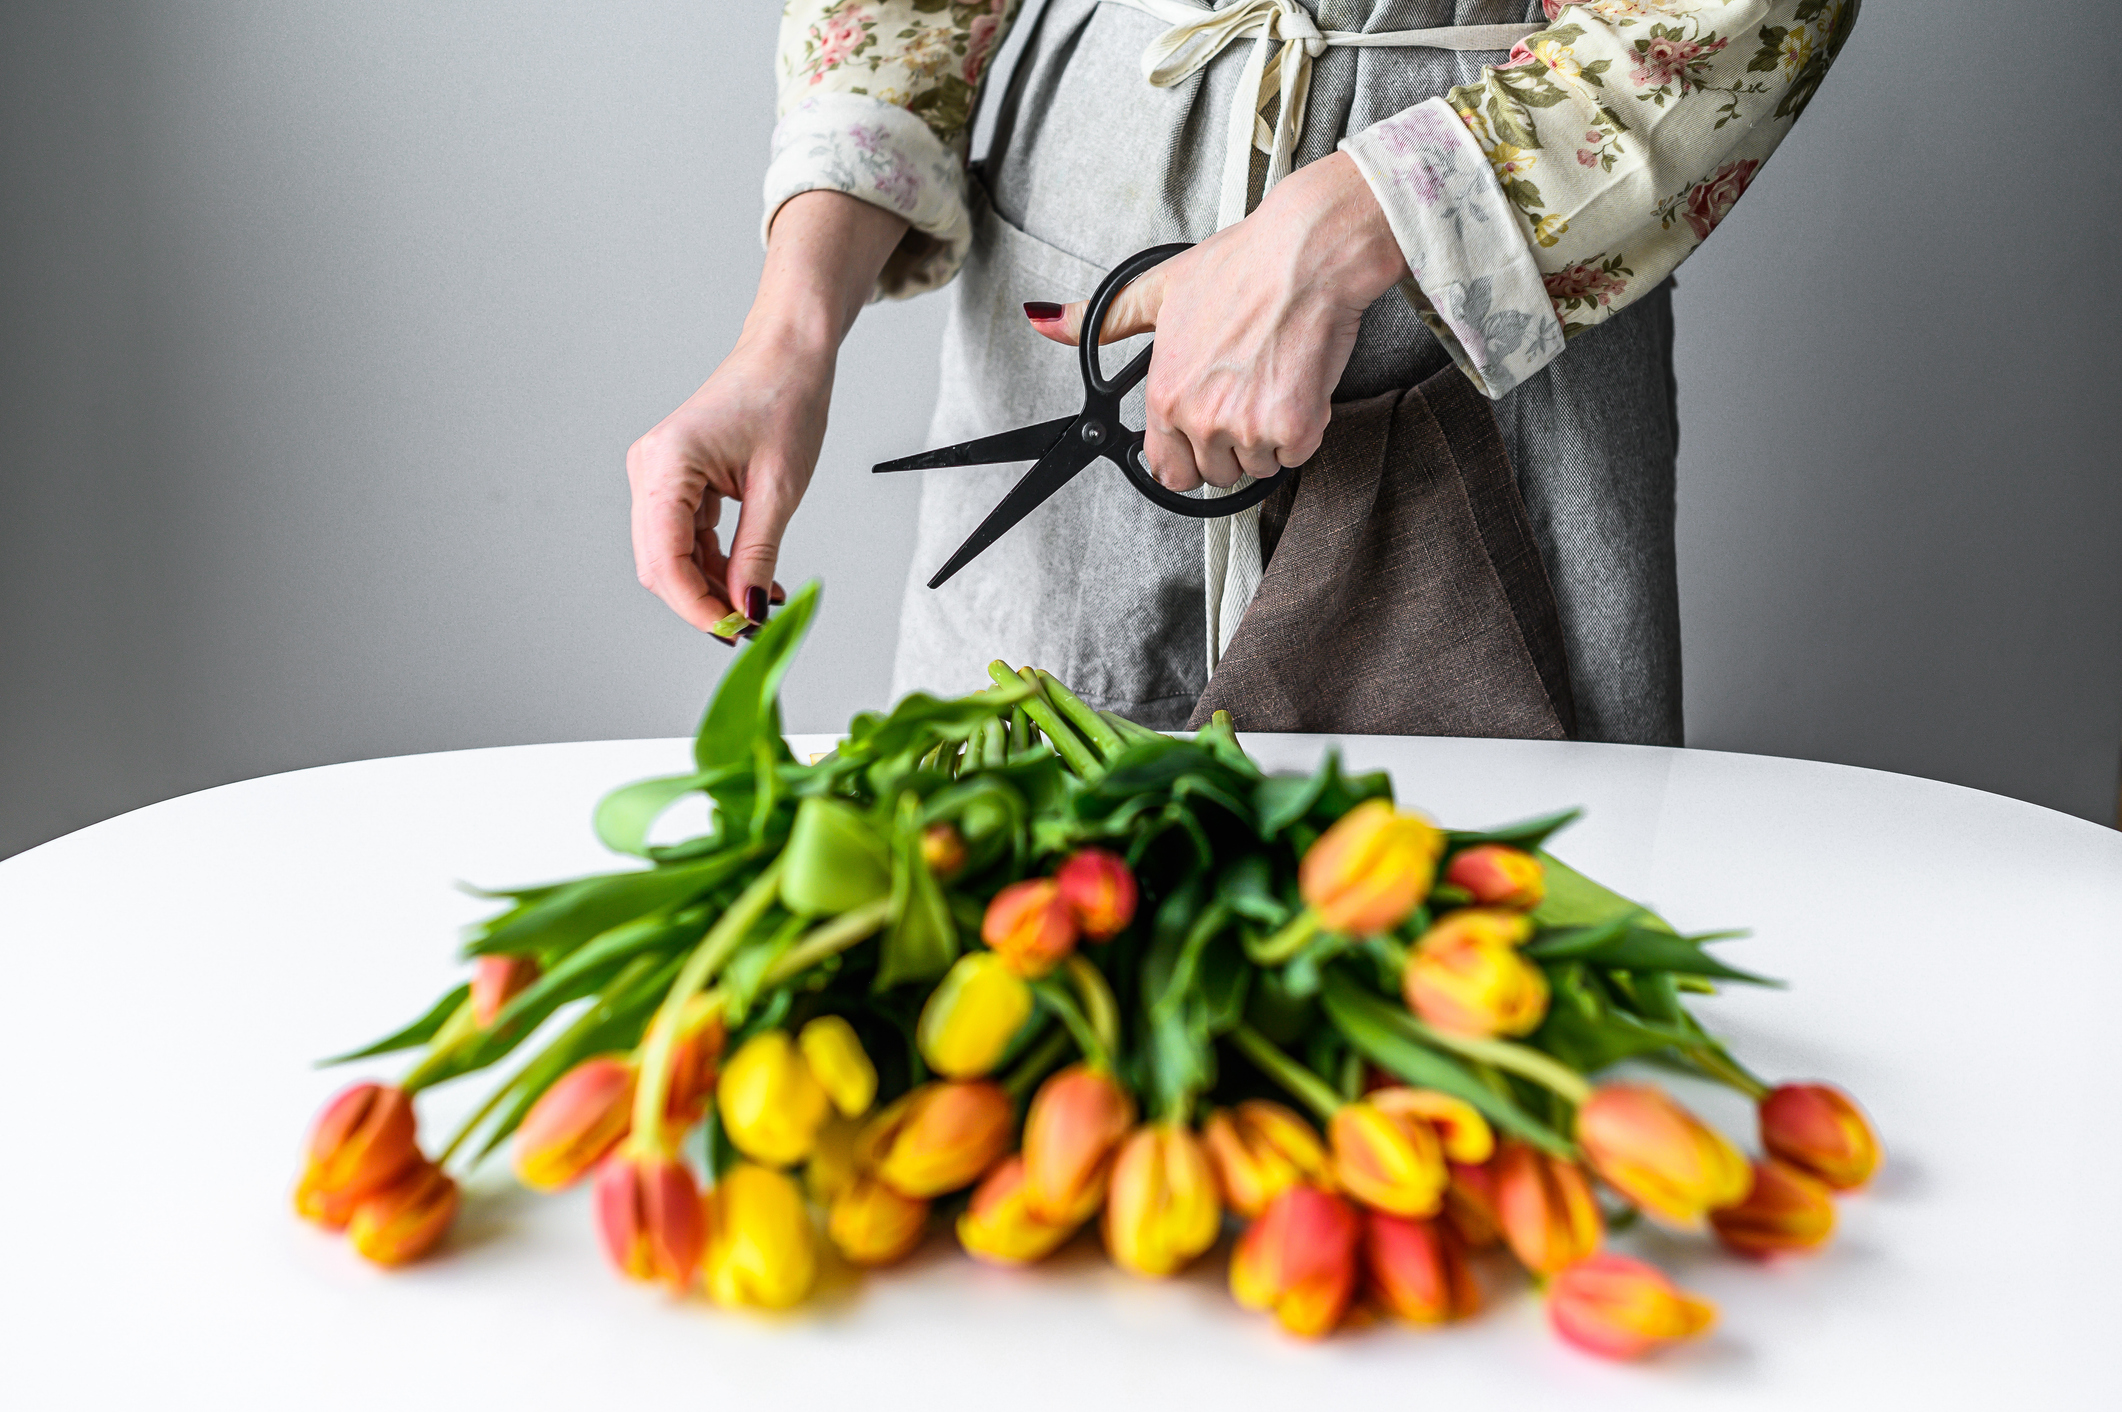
{"x":1089,"y":163}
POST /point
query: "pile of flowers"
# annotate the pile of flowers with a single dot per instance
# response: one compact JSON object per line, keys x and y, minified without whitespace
{"x":1021,"y":967}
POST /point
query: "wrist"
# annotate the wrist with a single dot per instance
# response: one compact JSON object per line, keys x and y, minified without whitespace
{"x":1345,"y":229}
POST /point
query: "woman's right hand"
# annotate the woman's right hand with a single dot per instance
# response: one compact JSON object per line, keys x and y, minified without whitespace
{"x":751,"y":434}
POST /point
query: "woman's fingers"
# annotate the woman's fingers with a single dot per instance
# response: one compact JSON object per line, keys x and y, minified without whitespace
{"x":1170,"y":458}
{"x":771,"y":493}
{"x":667,"y":536}
{"x":1133,"y":310}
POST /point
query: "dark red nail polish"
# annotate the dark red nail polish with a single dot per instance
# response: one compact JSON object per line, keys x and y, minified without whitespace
{"x":725,"y":641}
{"x":755,"y":604}
{"x":1041,"y":312}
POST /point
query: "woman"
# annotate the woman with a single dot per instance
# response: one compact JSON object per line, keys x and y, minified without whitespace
{"x":1524,"y":175}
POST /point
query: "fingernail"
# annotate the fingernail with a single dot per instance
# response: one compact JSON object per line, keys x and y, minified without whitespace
{"x":755,"y":604}
{"x":725,"y":641}
{"x":1041,"y":312}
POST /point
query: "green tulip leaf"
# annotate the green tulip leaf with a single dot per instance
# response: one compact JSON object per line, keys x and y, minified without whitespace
{"x":418,"y":1032}
{"x":745,"y":706}
{"x":835,"y":860}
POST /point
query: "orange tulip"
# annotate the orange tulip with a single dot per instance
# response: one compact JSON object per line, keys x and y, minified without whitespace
{"x":364,"y":1140}
{"x":1467,"y":982}
{"x":1621,"y":1308}
{"x":1786,"y":1211}
{"x":937,"y":1138}
{"x":1030,"y":926}
{"x":1545,"y":1208}
{"x":1820,"y":1130}
{"x":1496,"y":876}
{"x":758,"y":1250}
{"x":1100,"y":890}
{"x":1417,"y":1269}
{"x":1659,"y":1155}
{"x":1369,"y":869}
{"x":943,"y":849}
{"x":1160,"y":1209}
{"x":1075,"y":1123}
{"x":649,"y":1216}
{"x":575,"y":1123}
{"x":1298,"y":1260}
{"x":406,"y":1219}
{"x":1459,"y":1126}
{"x":1488,"y":925}
{"x":1388,"y":1160}
{"x":1261,"y":1149}
{"x":496,"y":980}
{"x":999,"y":1226}
{"x":874,"y":1225}
{"x":1470,"y":1205}
{"x":695,"y":1061}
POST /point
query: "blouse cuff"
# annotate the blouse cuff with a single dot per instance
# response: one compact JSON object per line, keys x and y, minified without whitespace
{"x":1474,"y":281}
{"x":888,"y":157}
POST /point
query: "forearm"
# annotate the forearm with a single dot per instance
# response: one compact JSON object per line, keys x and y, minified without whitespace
{"x":823,"y":253}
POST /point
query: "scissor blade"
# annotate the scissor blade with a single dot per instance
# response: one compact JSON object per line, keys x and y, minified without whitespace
{"x":1023,"y":444}
{"x":1055,"y":469}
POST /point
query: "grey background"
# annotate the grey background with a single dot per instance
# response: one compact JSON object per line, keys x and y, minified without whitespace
{"x":323,"y":331}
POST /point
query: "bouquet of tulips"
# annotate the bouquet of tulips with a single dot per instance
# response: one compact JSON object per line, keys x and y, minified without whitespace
{"x":1019,"y":965}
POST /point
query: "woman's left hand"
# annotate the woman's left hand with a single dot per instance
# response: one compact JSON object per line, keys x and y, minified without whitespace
{"x":1254,"y":326}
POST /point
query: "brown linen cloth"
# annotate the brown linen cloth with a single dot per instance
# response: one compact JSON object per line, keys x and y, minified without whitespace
{"x":1403,"y":594}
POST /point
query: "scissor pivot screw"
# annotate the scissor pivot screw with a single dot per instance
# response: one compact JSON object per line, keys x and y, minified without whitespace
{"x":1093,"y":433}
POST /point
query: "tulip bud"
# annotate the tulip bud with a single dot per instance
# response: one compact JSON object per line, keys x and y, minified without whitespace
{"x":834,"y":860}
{"x":771,"y":1105}
{"x":496,"y":980}
{"x":1259,"y":1150}
{"x":1388,"y":1160}
{"x":837,"y":1061}
{"x":1819,"y":1129}
{"x":1659,"y":1155}
{"x":1786,"y":1211}
{"x":1299,"y":1260}
{"x":1076,"y":1120}
{"x":1417,"y":1269}
{"x":938,"y":1138}
{"x":1366,"y":872}
{"x":759,"y":1248}
{"x":1464,"y":1133}
{"x":1474,"y":986}
{"x":363,"y":1141}
{"x":972,"y":1015}
{"x":1621,"y":1308}
{"x":695,"y":1061}
{"x":406,"y":1219}
{"x":1470,"y":1205}
{"x":1030,"y":927}
{"x":1545,"y":1208}
{"x":649,"y":1216}
{"x":1496,"y":876}
{"x":575,"y":1123}
{"x":1100,"y":890}
{"x":874,"y":1225}
{"x":1161,"y":1209}
{"x":943,"y":849}
{"x":999,"y":1227}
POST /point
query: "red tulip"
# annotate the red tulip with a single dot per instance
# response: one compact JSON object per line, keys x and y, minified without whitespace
{"x":1820,"y":1130}
{"x":1030,"y":927}
{"x":1545,"y":1207}
{"x":1496,"y":876}
{"x":1100,"y":890}
{"x":1621,"y":1308}
{"x":1417,"y":1270}
{"x":1299,"y":1260}
{"x":1075,"y":1124}
{"x":364,"y":1140}
{"x":575,"y":1123}
{"x":406,"y":1219}
{"x":496,"y":980}
{"x":1786,"y":1211}
{"x":649,"y":1214}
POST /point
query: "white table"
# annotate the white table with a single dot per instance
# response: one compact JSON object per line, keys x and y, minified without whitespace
{"x":1954,"y":959}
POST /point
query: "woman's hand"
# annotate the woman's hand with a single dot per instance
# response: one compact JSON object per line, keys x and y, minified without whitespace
{"x":1254,"y":326}
{"x":752,"y":432}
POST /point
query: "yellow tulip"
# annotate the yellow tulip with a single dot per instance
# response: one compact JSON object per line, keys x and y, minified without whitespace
{"x":837,"y":1061}
{"x":771,"y":1105}
{"x":972,"y":1016}
{"x":759,"y":1247}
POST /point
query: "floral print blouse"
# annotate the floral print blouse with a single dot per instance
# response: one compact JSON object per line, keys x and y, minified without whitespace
{"x":1531,"y":205}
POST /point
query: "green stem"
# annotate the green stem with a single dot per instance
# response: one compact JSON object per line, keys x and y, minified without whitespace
{"x":1080,"y":757}
{"x":1129,"y":730}
{"x":1726,"y":1070}
{"x":1288,"y":941}
{"x":459,"y":1029}
{"x":994,"y":744}
{"x":829,"y":939}
{"x":1519,"y":1059}
{"x":1099,"y":1006}
{"x":1314,"y":1092}
{"x":1056,"y":998}
{"x":1036,"y":1063}
{"x":1096,"y":729}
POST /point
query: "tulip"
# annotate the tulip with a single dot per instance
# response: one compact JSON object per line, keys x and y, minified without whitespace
{"x":1030,"y":926}
{"x":836,"y":1060}
{"x":1100,"y":890}
{"x":759,"y":1248}
{"x":649,"y":1215}
{"x":1470,"y":1205}
{"x":496,"y":980}
{"x":943,"y":849}
{"x":874,"y":1225}
{"x":1786,"y":1211}
{"x":1488,"y":925}
{"x":1659,"y":1155}
{"x":695,"y":1061}
{"x":972,"y":1015}
{"x":1388,"y":1160}
{"x":365,"y":1138}
{"x":1261,"y":1149}
{"x":403,"y":1221}
{"x":998,"y":1226}
{"x":575,"y":1123}
{"x":1298,"y":1260}
{"x":771,"y":1105}
{"x":1545,"y":1207}
{"x":1076,"y":1120}
{"x":1417,"y":1269}
{"x":1820,"y":1130}
{"x":1469,"y":985}
{"x":1161,"y":1209}
{"x":938,"y":1138}
{"x":1465,"y":1134}
{"x":1496,"y":876}
{"x":1621,"y":1308}
{"x":1366,"y":872}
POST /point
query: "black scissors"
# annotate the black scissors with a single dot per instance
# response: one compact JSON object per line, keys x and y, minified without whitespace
{"x":1066,"y":445}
